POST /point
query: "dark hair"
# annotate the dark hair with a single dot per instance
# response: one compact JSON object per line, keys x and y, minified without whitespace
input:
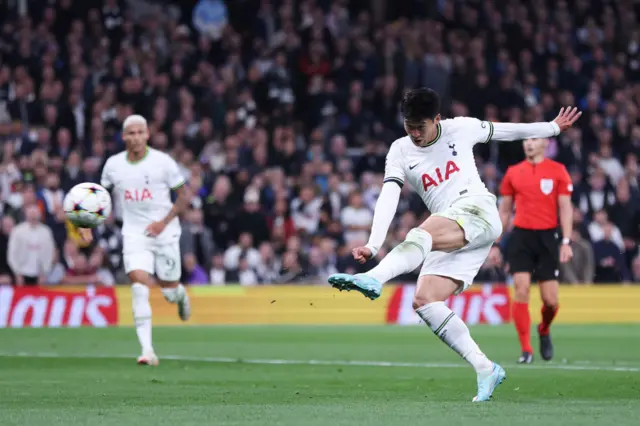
{"x":420,"y":104}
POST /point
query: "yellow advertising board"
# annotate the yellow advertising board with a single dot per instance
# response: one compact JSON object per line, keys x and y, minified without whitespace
{"x":281,"y":304}
{"x":305,"y":304}
{"x":593,"y":304}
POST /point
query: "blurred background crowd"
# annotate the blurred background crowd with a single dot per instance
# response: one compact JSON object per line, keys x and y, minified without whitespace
{"x":280,"y":114}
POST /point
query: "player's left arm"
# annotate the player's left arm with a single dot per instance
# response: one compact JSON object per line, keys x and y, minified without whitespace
{"x":180,"y":205}
{"x":177,"y":183}
{"x":518,"y":131}
{"x":565,"y":208}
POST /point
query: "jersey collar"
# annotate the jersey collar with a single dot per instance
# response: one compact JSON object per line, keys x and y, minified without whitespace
{"x":436,"y":139}
{"x":146,"y":153}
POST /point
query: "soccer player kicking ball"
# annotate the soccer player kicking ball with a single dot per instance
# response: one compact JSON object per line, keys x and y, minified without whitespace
{"x":436,"y":158}
{"x":142,"y":179}
{"x":540,"y":188}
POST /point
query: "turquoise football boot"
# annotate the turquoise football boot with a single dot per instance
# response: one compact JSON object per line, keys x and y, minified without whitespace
{"x":366,"y":285}
{"x":488,"y":383}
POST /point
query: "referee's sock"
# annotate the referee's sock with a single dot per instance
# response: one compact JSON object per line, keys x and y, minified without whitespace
{"x":548,"y":314}
{"x":522,"y":321}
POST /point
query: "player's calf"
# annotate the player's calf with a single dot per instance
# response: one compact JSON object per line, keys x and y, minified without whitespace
{"x":429,"y":305}
{"x":521,"y":316}
{"x":176,"y":293}
{"x":142,"y":319}
{"x":549,"y":295}
{"x":404,"y":258}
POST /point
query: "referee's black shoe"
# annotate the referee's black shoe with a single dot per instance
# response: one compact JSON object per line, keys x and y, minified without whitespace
{"x":546,"y":347}
{"x":525,"y":358}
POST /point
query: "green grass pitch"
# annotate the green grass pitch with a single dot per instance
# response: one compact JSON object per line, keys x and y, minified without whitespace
{"x":296,"y":376}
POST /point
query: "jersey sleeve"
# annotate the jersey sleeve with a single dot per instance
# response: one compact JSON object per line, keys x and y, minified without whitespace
{"x":174,"y":178}
{"x":565,"y":185}
{"x":506,"y":187}
{"x":475,"y":130}
{"x":394,"y":168}
{"x":106,"y":179}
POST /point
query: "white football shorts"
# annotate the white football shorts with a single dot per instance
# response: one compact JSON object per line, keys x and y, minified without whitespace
{"x":159,"y":258}
{"x":478,"y":216}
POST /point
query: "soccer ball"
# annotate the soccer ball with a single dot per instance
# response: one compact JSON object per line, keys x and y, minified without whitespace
{"x":87,"y":205}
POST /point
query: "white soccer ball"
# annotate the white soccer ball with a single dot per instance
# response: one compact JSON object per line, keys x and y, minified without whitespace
{"x":87,"y":205}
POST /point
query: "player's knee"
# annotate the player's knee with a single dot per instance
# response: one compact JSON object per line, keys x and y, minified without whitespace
{"x":522,"y":285}
{"x":421,"y":238}
{"x":427,"y":296}
{"x":419,"y":300}
{"x":447,"y":235}
{"x":549,"y":297}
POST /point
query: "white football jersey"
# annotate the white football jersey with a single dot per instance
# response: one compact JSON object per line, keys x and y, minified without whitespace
{"x":143,"y":190}
{"x":445,"y":169}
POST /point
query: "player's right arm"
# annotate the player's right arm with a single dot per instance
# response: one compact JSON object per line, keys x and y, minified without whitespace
{"x":386,"y":205}
{"x":506,"y":202}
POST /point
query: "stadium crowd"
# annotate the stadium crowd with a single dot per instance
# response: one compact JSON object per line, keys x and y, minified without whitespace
{"x":281,"y":112}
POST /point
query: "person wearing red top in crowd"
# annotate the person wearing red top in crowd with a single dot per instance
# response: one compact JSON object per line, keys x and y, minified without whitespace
{"x":540,"y":187}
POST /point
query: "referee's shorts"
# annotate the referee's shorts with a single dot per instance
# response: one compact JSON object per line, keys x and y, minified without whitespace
{"x":534,"y":251}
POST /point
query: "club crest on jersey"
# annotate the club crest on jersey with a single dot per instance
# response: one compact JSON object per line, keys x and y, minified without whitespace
{"x":136,"y":195}
{"x":452,"y":146}
{"x":546,"y":186}
{"x":438,"y":176}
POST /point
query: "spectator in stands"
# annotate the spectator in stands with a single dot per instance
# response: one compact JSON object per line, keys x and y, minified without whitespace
{"x":581,"y":268}
{"x":251,"y":219}
{"x":356,"y":219}
{"x":244,"y":249}
{"x":196,"y":238}
{"x":6,"y":225}
{"x":597,"y":230}
{"x":493,"y":268}
{"x":193,"y":273}
{"x":219,"y":212}
{"x":268,"y":270}
{"x":599,"y":194}
{"x":305,"y":211}
{"x":610,"y":263}
{"x":635,"y":270}
{"x":217,"y":273}
{"x":300,"y":104}
{"x":31,"y":249}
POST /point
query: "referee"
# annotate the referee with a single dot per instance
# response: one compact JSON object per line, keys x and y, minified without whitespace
{"x":539,"y":187}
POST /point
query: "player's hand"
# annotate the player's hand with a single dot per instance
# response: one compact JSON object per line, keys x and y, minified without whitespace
{"x":361,"y":254}
{"x":155,"y":229}
{"x":86,"y":235}
{"x":566,"y":253}
{"x":567,"y":117}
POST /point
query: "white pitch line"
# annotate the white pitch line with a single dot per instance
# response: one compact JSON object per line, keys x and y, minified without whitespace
{"x":336,"y":363}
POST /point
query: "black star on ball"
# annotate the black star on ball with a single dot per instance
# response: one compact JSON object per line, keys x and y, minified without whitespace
{"x":94,"y":190}
{"x":77,"y":208}
{"x":100,"y":212}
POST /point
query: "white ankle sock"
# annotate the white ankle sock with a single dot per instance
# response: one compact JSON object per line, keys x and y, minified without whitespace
{"x":405,"y":258}
{"x":173,"y":294}
{"x":142,"y":316}
{"x":455,"y":333}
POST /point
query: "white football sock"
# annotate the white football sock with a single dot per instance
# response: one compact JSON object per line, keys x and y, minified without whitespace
{"x":142,"y":316}
{"x":174,"y":294}
{"x":455,"y":333}
{"x":405,"y":258}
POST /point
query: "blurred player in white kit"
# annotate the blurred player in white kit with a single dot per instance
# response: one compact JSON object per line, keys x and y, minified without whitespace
{"x":141,"y":180}
{"x":436,"y":158}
